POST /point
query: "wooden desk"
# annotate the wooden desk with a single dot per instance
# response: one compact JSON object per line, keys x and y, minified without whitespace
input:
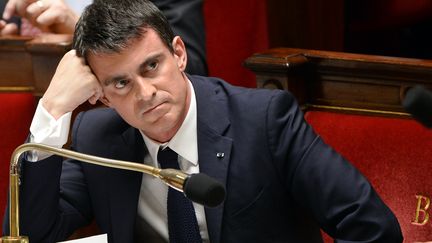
{"x":341,"y":81}
{"x":27,"y":64}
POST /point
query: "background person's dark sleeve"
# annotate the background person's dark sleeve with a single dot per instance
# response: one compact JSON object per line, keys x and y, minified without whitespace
{"x":187,"y":21}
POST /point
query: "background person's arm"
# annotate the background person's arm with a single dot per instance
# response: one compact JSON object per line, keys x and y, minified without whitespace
{"x":49,"y":15}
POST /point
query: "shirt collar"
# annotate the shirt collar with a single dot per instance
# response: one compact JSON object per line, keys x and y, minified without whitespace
{"x":184,"y":142}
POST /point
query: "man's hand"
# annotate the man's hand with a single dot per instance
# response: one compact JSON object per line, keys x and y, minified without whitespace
{"x":73,"y":83}
{"x":49,"y":15}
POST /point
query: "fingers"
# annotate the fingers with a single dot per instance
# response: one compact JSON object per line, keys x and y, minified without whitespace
{"x":34,"y":10}
{"x":16,"y":7}
{"x":53,"y":16}
{"x":98,"y":94}
{"x":59,"y":20}
{"x":8,"y":28}
{"x":9,"y":9}
{"x":48,"y":17}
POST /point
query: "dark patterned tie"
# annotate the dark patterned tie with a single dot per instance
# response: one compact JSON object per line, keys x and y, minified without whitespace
{"x":182,"y":222}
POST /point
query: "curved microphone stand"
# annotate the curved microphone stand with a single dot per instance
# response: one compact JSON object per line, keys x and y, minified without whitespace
{"x":212,"y":195}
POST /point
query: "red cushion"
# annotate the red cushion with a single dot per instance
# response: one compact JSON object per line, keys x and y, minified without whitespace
{"x":394,"y":154}
{"x":16,"y":112}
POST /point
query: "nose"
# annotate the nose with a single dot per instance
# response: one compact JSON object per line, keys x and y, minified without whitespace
{"x":145,"y":90}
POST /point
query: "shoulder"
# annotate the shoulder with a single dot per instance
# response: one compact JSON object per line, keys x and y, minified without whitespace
{"x":211,"y":86}
{"x":217,"y":98}
{"x":99,"y":117}
{"x":98,"y":123}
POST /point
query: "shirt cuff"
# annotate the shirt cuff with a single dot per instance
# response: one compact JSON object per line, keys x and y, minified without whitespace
{"x":45,"y":129}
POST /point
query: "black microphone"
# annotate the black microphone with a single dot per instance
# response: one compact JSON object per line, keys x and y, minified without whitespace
{"x":418,"y":102}
{"x":204,"y":190}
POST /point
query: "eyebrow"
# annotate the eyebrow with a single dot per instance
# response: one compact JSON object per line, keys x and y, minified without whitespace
{"x":146,"y":62}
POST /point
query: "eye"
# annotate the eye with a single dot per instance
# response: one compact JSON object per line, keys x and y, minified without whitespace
{"x":152,"y":65}
{"x":120,"y":84}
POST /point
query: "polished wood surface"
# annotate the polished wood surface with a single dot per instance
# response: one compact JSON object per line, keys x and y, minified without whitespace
{"x":15,"y":64}
{"x":340,"y":81}
{"x":27,"y":64}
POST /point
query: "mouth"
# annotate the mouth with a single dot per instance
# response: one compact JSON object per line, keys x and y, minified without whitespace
{"x":152,"y":108}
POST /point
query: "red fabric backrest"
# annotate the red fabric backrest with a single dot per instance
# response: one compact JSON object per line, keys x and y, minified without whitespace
{"x":394,"y":154}
{"x":234,"y":31}
{"x":16,"y":112}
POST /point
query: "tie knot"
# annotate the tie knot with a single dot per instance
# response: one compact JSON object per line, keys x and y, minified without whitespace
{"x":167,"y":158}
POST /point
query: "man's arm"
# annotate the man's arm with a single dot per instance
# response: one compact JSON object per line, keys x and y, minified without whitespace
{"x":48,"y":15}
{"x":48,"y":213}
{"x":333,"y":191}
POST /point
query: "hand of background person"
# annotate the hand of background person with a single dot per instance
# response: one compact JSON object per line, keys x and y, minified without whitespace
{"x":72,"y":84}
{"x":53,"y":16}
{"x":8,"y":28}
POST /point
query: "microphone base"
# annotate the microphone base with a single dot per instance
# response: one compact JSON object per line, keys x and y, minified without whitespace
{"x":14,"y":239}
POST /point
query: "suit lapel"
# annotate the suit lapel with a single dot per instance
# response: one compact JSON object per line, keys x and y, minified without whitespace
{"x":214,"y":149}
{"x":217,"y":167}
{"x":125,"y":186}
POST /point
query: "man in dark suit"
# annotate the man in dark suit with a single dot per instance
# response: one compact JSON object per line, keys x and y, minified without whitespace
{"x":283,"y":183}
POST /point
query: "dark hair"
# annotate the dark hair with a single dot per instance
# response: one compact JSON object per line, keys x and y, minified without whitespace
{"x":107,"y":26}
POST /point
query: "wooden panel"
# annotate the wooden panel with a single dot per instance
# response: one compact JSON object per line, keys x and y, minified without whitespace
{"x":313,"y":24}
{"x":28,"y":64}
{"x":15,"y":64}
{"x":342,"y":81}
{"x":46,"y":52}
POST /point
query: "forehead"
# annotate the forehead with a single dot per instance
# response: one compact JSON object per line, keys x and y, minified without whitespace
{"x":135,"y":51}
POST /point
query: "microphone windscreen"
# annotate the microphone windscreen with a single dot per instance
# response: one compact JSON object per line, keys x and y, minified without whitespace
{"x":204,"y":190}
{"x":418,"y":102}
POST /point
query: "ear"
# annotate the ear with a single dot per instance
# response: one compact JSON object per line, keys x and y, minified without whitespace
{"x":180,"y":52}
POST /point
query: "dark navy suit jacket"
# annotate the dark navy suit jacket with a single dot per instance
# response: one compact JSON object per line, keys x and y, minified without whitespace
{"x":283,"y":182}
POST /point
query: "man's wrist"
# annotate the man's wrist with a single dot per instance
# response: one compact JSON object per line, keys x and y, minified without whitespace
{"x":46,"y":129}
{"x":52,"y":108}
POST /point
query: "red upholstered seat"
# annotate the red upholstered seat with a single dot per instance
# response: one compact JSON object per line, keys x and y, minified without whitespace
{"x":394,"y":154}
{"x":16,"y":112}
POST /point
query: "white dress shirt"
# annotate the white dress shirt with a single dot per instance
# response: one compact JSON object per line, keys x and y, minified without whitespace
{"x":152,"y":200}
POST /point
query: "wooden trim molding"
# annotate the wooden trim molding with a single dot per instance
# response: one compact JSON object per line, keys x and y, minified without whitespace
{"x":341,"y":81}
{"x":27,"y":64}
